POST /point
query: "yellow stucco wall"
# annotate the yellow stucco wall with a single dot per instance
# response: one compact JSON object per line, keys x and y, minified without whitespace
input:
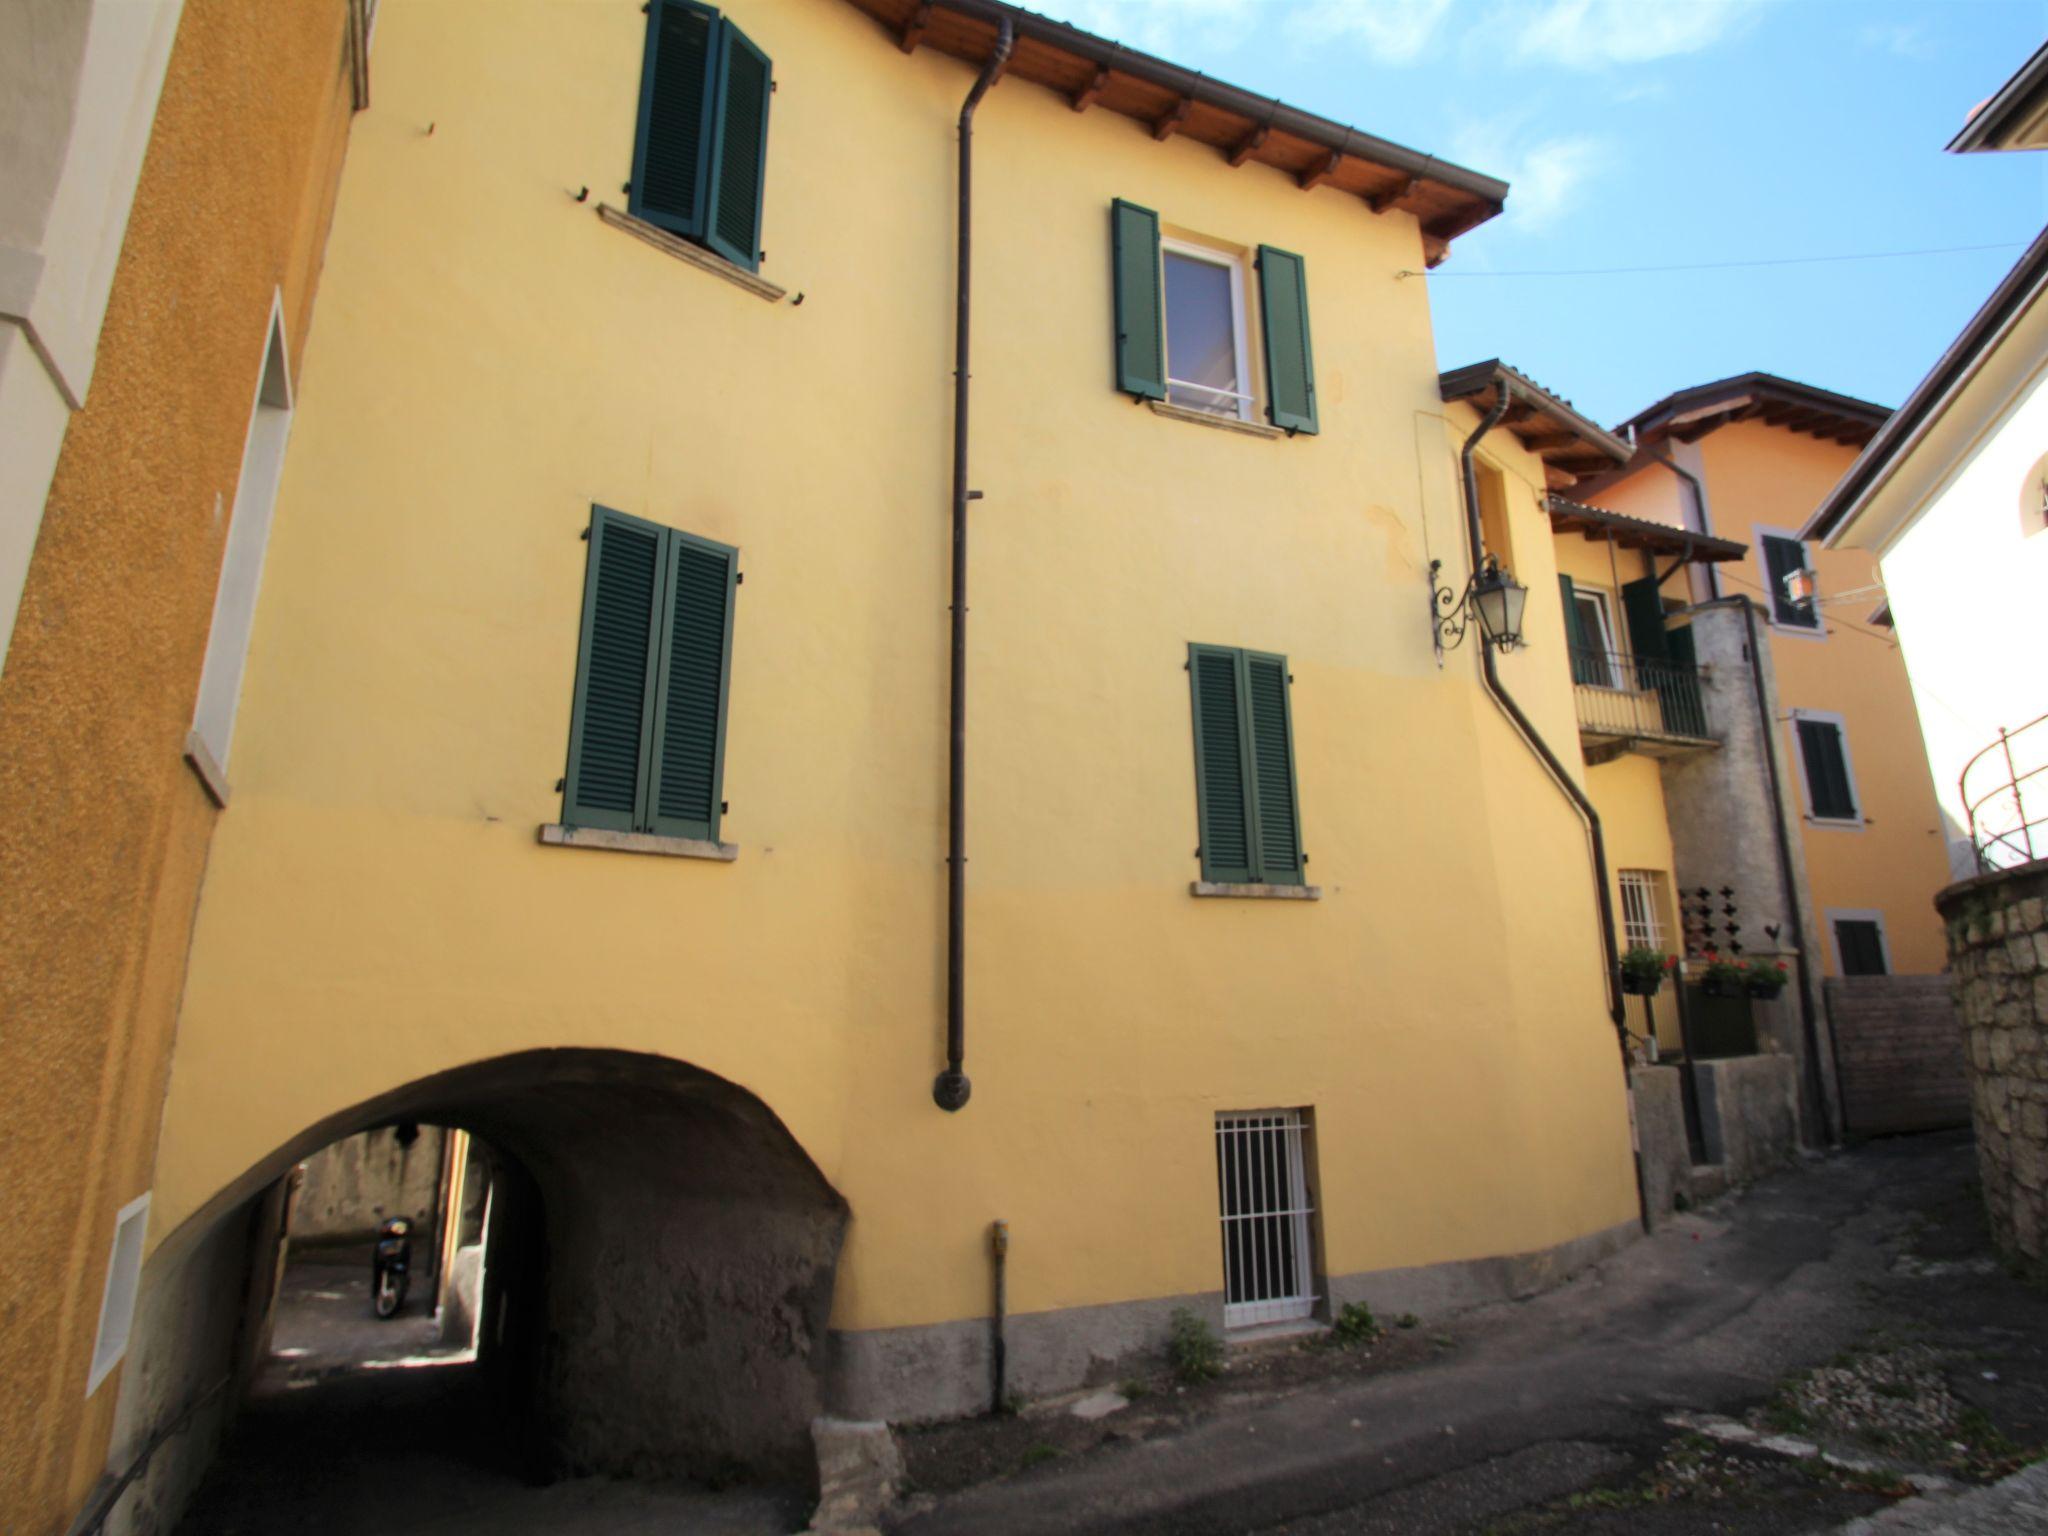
{"x":492,"y":359}
{"x":105,"y":825}
{"x":1759,"y":476}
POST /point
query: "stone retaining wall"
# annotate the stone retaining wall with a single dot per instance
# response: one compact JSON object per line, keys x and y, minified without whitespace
{"x":1900,"y":1047}
{"x":1998,"y":951}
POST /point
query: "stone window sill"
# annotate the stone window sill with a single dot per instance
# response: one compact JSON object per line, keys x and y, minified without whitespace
{"x":1210,"y":419}
{"x":1259,"y":892}
{"x":209,"y":773}
{"x":555,"y":835}
{"x":694,"y":255}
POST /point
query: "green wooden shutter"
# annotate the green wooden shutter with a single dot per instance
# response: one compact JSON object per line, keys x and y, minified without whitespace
{"x":1643,"y":606}
{"x":610,"y":721}
{"x":671,"y":152}
{"x":687,"y":764}
{"x":1290,"y":361}
{"x":1782,"y":557}
{"x":1584,"y":668}
{"x":1860,"y":947}
{"x":1829,"y":792}
{"x":1221,"y":773}
{"x":1140,"y":336}
{"x":1277,"y":851}
{"x":739,"y":161}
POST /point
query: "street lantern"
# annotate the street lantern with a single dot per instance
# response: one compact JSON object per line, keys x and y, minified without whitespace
{"x":1494,"y":595}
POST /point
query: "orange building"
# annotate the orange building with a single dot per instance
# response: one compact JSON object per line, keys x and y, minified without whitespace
{"x":1748,"y":459}
{"x":112,"y":749}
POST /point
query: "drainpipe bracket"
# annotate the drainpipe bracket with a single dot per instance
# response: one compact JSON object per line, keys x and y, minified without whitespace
{"x":951,"y":1090}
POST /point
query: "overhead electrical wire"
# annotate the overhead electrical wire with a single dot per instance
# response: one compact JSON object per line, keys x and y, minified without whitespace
{"x":1717,"y":266}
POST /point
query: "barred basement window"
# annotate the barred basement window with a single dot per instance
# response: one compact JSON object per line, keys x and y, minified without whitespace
{"x":1262,"y":1184}
{"x":1640,"y":925}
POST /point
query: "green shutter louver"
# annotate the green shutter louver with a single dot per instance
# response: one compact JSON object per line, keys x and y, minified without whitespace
{"x":1643,"y":606}
{"x":690,"y":697}
{"x":1278,"y":855}
{"x":1588,"y":665}
{"x":1829,"y":793}
{"x":1140,"y":334}
{"x":1290,"y":360}
{"x":1244,"y":767}
{"x":609,"y":725}
{"x":653,"y":673}
{"x":671,"y":152}
{"x":740,"y":162}
{"x":1220,"y":777}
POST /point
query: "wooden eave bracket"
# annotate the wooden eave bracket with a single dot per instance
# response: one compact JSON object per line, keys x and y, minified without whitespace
{"x":914,"y":29}
{"x":1090,"y":93}
{"x":1310,"y":180}
{"x":1380,"y":202}
{"x":1171,"y":124}
{"x":1251,"y":145}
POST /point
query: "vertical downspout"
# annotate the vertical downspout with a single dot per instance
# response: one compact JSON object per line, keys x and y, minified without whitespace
{"x":1699,"y":508}
{"x":950,"y":1089}
{"x":1476,"y":547}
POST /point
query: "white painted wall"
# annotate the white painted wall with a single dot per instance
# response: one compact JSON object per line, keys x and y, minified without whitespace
{"x":1969,"y":594}
{"x":79,"y":82}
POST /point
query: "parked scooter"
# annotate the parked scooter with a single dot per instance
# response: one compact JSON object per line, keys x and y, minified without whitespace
{"x":390,"y":1266}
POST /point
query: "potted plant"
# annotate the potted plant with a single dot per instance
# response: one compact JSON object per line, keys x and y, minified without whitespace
{"x":1766,"y":981}
{"x":1722,"y":977}
{"x":1643,"y":968}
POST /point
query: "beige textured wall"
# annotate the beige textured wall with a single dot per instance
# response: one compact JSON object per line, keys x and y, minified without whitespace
{"x":106,"y":831}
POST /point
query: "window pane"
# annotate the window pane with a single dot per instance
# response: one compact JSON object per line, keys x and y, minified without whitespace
{"x":1592,"y":662}
{"x":1201,"y":336}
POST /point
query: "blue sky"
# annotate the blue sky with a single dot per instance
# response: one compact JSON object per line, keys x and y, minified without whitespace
{"x":1648,"y":132}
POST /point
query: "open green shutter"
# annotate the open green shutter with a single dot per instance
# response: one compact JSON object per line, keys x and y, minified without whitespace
{"x":1290,"y":361}
{"x":1140,"y":337}
{"x":1220,"y":770}
{"x":610,"y":722}
{"x":687,"y":765}
{"x":671,"y":153}
{"x":1644,"y":607}
{"x":1277,"y":853}
{"x":739,"y":160}
{"x":1783,"y":557}
{"x":1584,"y":667}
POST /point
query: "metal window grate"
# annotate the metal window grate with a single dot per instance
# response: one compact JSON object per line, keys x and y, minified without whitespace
{"x":1639,"y":922}
{"x":1262,"y":1185}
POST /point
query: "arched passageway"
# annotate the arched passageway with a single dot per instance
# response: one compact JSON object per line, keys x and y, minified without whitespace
{"x":658,"y":1269}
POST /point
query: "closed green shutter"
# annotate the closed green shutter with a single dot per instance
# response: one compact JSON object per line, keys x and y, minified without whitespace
{"x":610,"y":722}
{"x":739,"y":163}
{"x":1290,"y":361}
{"x":1221,"y":778}
{"x":671,"y":153}
{"x":1783,"y":557}
{"x":687,"y":765}
{"x":1829,"y":792}
{"x":1140,"y":336}
{"x":1277,"y":855}
{"x":1860,"y":946}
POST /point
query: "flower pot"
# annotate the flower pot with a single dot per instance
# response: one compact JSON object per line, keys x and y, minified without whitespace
{"x":1766,"y":989}
{"x":1720,"y":986}
{"x":1640,"y":986}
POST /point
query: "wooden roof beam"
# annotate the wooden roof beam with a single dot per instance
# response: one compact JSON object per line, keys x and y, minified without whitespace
{"x":914,"y":29}
{"x":1250,"y":145}
{"x":1310,"y":180}
{"x":1380,"y":202}
{"x":1549,"y":442}
{"x":1172,"y":123}
{"x":1087,"y":96}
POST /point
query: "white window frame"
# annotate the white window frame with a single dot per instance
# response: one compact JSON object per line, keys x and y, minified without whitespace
{"x":123,"y":1287}
{"x":1603,"y":601}
{"x":241,"y":568}
{"x":1818,"y":630}
{"x":1826,"y":716}
{"x":1247,"y":399}
{"x":1859,"y":915}
{"x":1644,"y":884}
{"x":1293,"y":1219}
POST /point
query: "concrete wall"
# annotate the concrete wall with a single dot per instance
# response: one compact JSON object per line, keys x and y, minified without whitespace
{"x":1749,"y":1113}
{"x":1722,"y":835}
{"x":103,"y":821}
{"x":1664,"y":1151}
{"x":1998,"y":948}
{"x":1900,"y":1048}
{"x":360,"y":1181}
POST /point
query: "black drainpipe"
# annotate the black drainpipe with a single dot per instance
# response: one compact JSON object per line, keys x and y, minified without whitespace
{"x":1476,"y":546}
{"x":950,"y":1089}
{"x":1816,"y":1084}
{"x":1699,"y":508}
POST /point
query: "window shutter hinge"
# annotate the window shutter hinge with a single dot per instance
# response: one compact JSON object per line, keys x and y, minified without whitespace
{"x":724,"y":807}
{"x":626,"y":187}
{"x":561,"y":785}
{"x":584,"y":535}
{"x":738,"y":577}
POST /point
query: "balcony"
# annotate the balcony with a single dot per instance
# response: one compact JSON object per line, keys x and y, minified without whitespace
{"x":1630,"y":704}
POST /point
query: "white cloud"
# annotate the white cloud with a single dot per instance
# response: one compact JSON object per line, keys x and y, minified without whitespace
{"x":1597,"y":34}
{"x":1391,"y":31}
{"x":1545,"y":175}
{"x":1905,"y":39}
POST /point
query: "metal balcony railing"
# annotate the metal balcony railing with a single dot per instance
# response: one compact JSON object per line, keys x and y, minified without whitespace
{"x":1624,"y":696}
{"x":2000,"y":829}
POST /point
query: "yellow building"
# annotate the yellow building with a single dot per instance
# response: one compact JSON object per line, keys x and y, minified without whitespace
{"x":1281,"y":979}
{"x":1749,"y":459}
{"x":191,"y":201}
